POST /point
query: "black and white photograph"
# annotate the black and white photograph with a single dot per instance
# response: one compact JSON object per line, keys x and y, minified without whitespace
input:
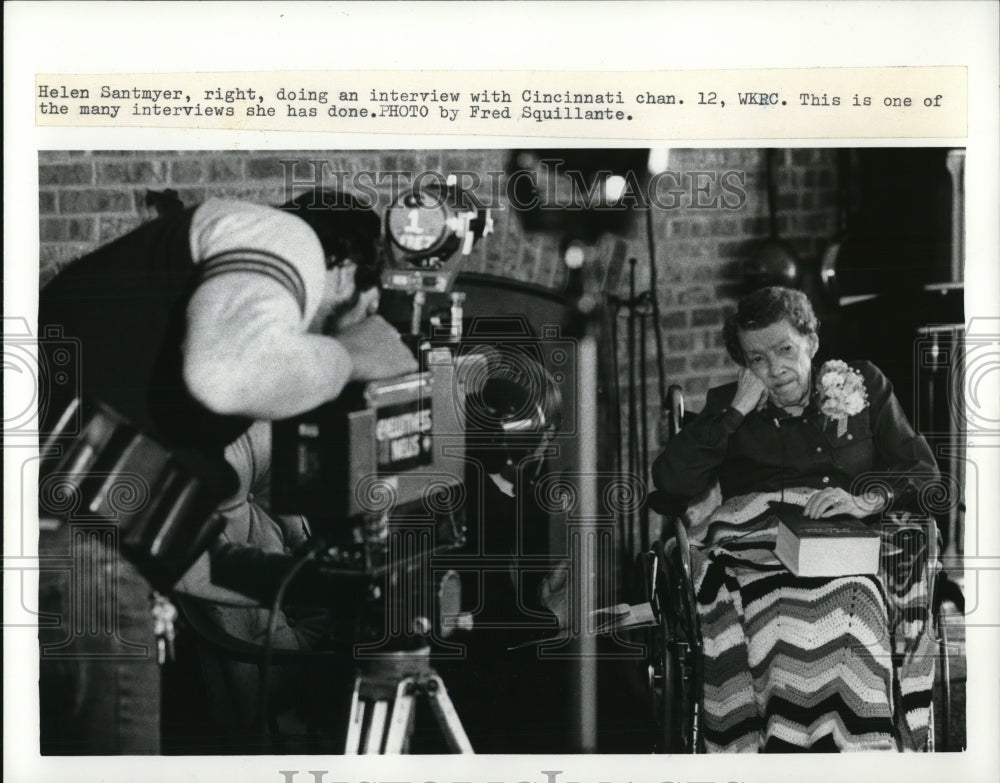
{"x":616,"y":450}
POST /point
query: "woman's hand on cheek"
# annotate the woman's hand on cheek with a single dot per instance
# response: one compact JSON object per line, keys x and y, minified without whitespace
{"x":751,"y":393}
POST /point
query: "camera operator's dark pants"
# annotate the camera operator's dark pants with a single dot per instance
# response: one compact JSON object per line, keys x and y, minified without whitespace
{"x":99,"y":685}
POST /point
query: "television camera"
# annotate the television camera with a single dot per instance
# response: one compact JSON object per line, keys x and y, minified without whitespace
{"x":428,"y":232}
{"x":424,"y":228}
{"x":380,"y":475}
{"x":394,"y":449}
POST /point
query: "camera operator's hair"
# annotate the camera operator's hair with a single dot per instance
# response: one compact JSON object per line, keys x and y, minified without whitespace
{"x":347,"y":229}
{"x":765,"y":307}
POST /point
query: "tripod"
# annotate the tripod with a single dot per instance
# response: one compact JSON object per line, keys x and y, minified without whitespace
{"x":382,"y":706}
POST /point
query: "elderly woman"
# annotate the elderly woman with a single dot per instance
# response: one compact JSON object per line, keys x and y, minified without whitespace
{"x":801,"y":663}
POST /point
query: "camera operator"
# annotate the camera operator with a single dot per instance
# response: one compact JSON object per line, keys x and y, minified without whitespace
{"x":191,"y":327}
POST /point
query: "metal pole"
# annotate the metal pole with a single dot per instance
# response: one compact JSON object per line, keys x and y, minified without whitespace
{"x":642,"y":432}
{"x":615,"y":384}
{"x":584,"y":707}
{"x":616,"y":418}
{"x":633,"y":435}
{"x":586,"y":680}
{"x":655,"y":295}
{"x":955,"y":163}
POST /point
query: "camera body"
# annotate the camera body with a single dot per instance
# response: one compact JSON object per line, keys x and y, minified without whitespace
{"x":383,"y":449}
{"x":380,"y":474}
{"x":378,"y":446}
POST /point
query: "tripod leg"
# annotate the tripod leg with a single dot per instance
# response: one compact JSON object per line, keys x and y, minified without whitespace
{"x":376,"y":729}
{"x":451,"y":725}
{"x":356,"y":721}
{"x":401,"y":722}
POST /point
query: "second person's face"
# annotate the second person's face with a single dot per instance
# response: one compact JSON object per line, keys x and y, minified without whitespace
{"x":342,"y":305}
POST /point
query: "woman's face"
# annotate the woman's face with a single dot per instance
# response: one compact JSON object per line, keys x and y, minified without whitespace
{"x":782,"y":358}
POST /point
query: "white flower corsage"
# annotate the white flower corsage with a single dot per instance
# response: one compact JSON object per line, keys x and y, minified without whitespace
{"x":842,"y":394}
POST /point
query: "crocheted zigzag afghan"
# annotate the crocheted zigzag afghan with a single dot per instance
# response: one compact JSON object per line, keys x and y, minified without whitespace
{"x":815,"y":664}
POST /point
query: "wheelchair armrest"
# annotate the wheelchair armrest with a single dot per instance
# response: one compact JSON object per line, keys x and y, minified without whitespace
{"x":679,"y":529}
{"x":672,"y":507}
{"x":667,"y":504}
{"x":679,"y":562}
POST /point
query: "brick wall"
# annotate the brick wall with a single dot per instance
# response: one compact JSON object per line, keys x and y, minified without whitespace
{"x":89,"y":198}
{"x":701,"y":253}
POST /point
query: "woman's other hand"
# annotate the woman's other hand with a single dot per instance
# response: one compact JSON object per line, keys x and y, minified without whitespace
{"x":751,"y":393}
{"x":834,"y":500}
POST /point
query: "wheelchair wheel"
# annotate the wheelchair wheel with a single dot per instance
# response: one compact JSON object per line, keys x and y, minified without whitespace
{"x":942,"y":743}
{"x":672,"y":652}
{"x":666,"y":682}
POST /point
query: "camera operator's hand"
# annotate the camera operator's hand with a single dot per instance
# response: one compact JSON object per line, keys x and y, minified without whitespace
{"x":376,"y":349}
{"x":751,"y":393}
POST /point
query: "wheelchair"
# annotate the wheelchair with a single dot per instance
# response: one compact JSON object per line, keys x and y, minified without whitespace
{"x":674,"y":663}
